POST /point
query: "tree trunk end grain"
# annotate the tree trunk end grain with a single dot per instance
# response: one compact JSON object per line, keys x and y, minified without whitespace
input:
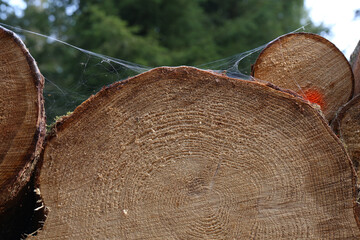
{"x":309,"y":65}
{"x":184,"y":153}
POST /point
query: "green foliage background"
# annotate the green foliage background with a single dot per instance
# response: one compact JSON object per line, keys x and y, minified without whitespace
{"x":147,"y":32}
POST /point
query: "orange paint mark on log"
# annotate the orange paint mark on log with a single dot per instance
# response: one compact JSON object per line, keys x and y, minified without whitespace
{"x":314,"y":96}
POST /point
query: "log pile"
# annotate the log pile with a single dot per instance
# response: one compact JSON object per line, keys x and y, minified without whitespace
{"x":184,"y":153}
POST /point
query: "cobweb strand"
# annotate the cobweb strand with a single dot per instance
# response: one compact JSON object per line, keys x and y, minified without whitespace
{"x":64,"y":92}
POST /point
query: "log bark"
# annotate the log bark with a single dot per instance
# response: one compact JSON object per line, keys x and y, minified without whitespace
{"x":22,"y":119}
{"x":182,"y":153}
{"x":309,"y":65}
{"x":347,"y":126}
{"x":355,"y":64}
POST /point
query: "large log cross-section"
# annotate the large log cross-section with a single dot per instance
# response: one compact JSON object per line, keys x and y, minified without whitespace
{"x":182,"y":153}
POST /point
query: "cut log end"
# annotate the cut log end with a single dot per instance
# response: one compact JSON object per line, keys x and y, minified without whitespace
{"x":22,"y":118}
{"x":347,"y":126}
{"x":184,"y":153}
{"x":310,"y":65}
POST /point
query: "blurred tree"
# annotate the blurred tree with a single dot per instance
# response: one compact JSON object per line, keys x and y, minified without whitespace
{"x":245,"y":24}
{"x":357,"y":14}
{"x":194,"y":31}
{"x":176,"y":31}
{"x":108,"y":34}
{"x":152,"y":33}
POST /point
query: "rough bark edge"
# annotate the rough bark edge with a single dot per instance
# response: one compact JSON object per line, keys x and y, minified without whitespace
{"x":63,"y":122}
{"x":315,"y":37}
{"x":355,"y":65}
{"x":14,"y":186}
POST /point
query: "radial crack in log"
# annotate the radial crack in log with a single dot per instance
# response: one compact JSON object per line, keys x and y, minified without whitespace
{"x":22,"y":119}
{"x":181,"y":153}
{"x":309,"y":65}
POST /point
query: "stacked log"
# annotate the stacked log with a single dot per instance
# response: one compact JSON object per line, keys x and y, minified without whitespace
{"x":309,"y":65}
{"x":347,"y":127}
{"x":22,"y":126}
{"x":347,"y":122}
{"x":184,"y":153}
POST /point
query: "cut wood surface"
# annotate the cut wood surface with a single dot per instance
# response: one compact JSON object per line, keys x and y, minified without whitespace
{"x":309,"y":65}
{"x":355,"y":64}
{"x":182,"y":153}
{"x":347,"y":126}
{"x":22,"y":120}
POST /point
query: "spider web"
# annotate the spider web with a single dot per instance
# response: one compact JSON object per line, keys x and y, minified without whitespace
{"x":63,"y":94}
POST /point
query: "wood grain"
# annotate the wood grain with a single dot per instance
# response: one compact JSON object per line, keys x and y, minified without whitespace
{"x":347,"y":126}
{"x":22,"y":118}
{"x":182,"y":153}
{"x":309,"y":65}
